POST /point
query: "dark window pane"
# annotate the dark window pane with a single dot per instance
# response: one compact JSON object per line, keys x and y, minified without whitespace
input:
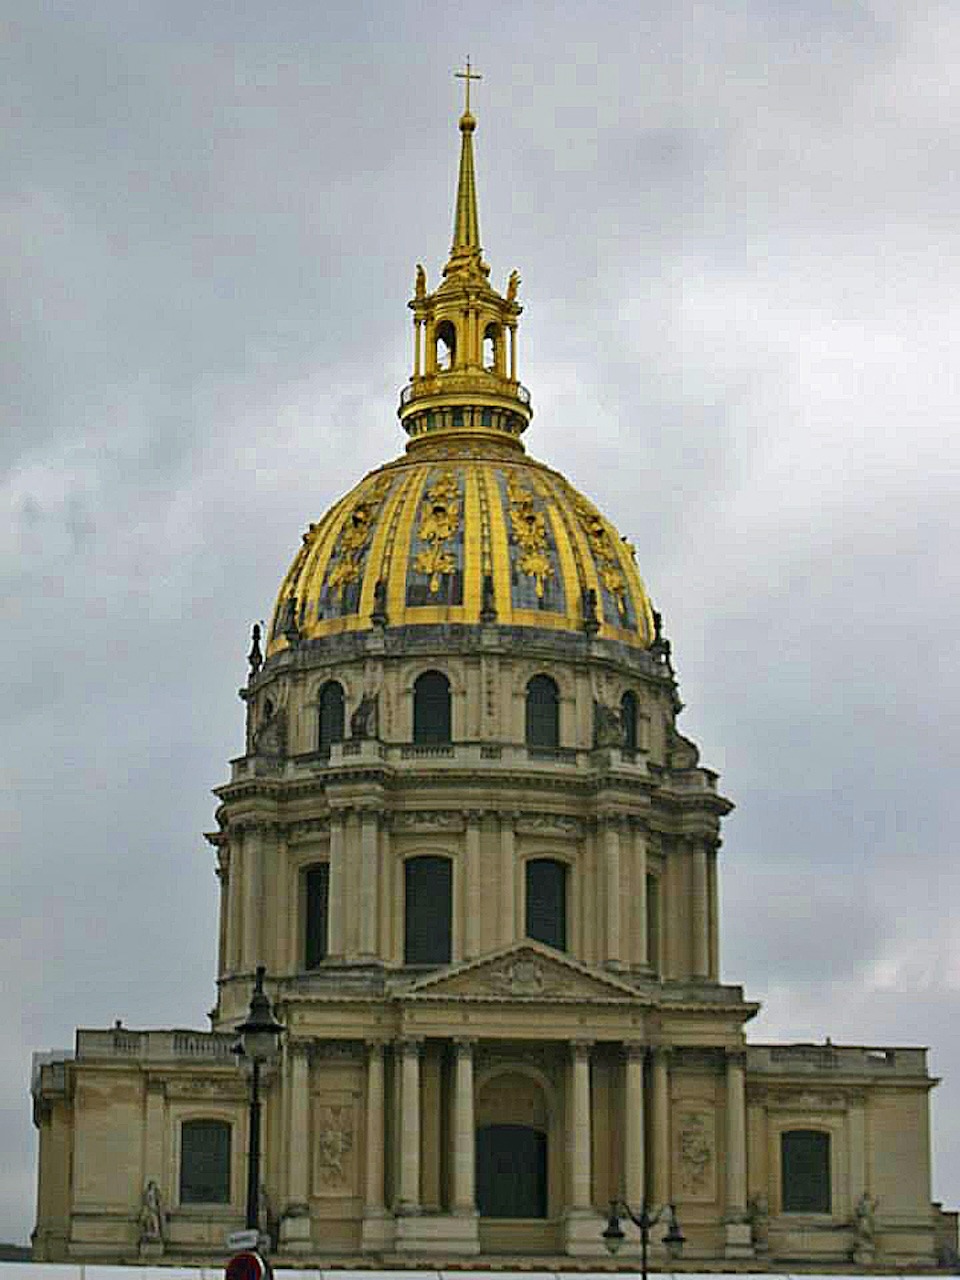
{"x":331,"y":714}
{"x":628,"y":720}
{"x":511,"y":1171}
{"x":431,"y":708}
{"x":547,"y":902}
{"x":428,"y":910}
{"x":317,"y":900}
{"x":543,"y":713}
{"x":805,"y":1168}
{"x":205,"y":1162}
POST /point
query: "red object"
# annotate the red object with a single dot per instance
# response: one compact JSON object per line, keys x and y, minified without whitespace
{"x":246,"y":1266}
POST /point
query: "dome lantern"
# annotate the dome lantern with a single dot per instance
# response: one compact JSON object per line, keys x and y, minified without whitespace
{"x":464,"y":380}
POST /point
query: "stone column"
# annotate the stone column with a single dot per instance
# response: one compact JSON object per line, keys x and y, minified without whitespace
{"x":513,"y":352}
{"x":700,"y":922}
{"x":286,"y":914}
{"x":223,"y":881}
{"x":714,"y":914}
{"x":369,"y":831}
{"x":295,"y":1230}
{"x":335,"y":902}
{"x":581,"y":1221}
{"x":661,"y":1125}
{"x":580,"y":1138}
{"x":634,"y":1175}
{"x":252,"y":879}
{"x":417,"y":332}
{"x":507,"y":879}
{"x":739,"y":1242}
{"x":471,"y":932}
{"x":464,"y":1158}
{"x":377,"y":1225}
{"x":611,"y":848}
{"x":410,"y":1126}
{"x":639,"y":895}
{"x":234,"y":904}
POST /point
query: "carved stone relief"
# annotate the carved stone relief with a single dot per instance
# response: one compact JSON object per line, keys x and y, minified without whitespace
{"x":334,"y":1147}
{"x":696,"y":1155}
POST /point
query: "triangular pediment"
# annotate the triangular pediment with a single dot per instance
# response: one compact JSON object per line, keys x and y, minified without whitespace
{"x":525,"y":971}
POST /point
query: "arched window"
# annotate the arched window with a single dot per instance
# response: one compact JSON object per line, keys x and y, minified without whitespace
{"x":805,"y":1171}
{"x":446,"y":345}
{"x":427,"y":910}
{"x":543,"y":713}
{"x":431,"y":708}
{"x":205,"y":1162}
{"x":491,"y":338}
{"x":628,"y":720}
{"x":547,"y":902}
{"x":331,"y":714}
{"x":316,"y":896}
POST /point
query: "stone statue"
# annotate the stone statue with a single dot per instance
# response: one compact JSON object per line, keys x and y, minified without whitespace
{"x":420,"y":289}
{"x":151,"y":1215}
{"x":363,"y":722}
{"x":513,"y":284}
{"x":290,"y":624}
{"x":488,"y":606}
{"x":379,"y":615}
{"x":864,"y":1221}
{"x":591,"y":623}
{"x":607,"y":729}
{"x":270,"y":736}
{"x":758,"y":1215}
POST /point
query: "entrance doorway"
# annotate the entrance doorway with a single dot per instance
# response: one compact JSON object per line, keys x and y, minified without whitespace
{"x":511,"y":1171}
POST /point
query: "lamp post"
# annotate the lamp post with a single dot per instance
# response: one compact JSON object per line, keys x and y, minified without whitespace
{"x":258,"y":1043}
{"x":613,"y":1236}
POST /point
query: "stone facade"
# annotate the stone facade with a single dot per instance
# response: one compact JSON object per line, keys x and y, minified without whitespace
{"x":615,"y":1059}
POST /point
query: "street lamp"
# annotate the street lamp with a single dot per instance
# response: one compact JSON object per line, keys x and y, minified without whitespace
{"x":613,"y":1236}
{"x":258,"y":1043}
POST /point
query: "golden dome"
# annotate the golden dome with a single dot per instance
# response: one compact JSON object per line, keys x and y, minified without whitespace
{"x":463,"y":532}
{"x":465,"y":529}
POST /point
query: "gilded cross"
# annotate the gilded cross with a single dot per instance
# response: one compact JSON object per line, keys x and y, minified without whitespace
{"x":467,"y":75}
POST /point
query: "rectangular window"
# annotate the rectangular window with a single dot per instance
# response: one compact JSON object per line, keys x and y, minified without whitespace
{"x":547,"y":902}
{"x":805,"y":1171}
{"x":317,"y":894}
{"x":205,"y":1162}
{"x":428,"y":910}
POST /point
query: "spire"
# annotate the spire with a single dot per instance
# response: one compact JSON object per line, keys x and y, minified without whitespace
{"x":464,"y":380}
{"x":466,"y":224}
{"x":466,"y":227}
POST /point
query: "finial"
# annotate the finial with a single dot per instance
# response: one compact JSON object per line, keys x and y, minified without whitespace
{"x":255,"y":657}
{"x":467,"y":76}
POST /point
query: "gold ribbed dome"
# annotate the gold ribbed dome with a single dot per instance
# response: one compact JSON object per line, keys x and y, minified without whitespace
{"x":465,"y":528}
{"x":463,"y":533}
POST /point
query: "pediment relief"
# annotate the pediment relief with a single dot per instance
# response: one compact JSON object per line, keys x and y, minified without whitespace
{"x":527,"y":971}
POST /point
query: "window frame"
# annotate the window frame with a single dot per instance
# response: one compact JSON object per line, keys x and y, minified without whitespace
{"x":439,"y":956}
{"x":422,"y":735}
{"x":532,"y":731}
{"x":327,"y":687}
{"x":564,"y":930}
{"x":312,"y":868}
{"x":189,"y":1122}
{"x":828,"y":1145}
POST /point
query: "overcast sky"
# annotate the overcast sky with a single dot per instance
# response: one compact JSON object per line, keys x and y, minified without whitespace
{"x":736,"y":228}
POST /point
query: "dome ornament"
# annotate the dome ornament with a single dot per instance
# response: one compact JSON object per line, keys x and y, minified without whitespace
{"x":467,"y":76}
